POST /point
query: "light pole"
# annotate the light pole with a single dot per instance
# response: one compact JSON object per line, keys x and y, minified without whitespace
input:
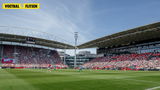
{"x":1,"y":52}
{"x":75,"y":58}
{"x":64,"y":62}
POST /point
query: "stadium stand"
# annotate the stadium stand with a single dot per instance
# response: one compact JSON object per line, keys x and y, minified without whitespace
{"x":29,"y":55}
{"x":17,"y":51}
{"x":134,"y":49}
{"x":143,"y":61}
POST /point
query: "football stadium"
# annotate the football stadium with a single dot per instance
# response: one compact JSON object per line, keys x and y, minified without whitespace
{"x":127,"y":60}
{"x":80,"y":45}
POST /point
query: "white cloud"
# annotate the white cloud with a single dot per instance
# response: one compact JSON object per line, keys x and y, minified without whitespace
{"x":57,"y":18}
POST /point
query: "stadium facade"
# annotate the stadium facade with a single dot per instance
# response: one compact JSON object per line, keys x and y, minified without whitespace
{"x":82,"y":57}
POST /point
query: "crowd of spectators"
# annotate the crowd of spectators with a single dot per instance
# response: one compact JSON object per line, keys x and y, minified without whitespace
{"x":126,"y":61}
{"x":30,"y":56}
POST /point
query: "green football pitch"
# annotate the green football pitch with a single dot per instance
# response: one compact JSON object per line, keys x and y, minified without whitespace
{"x":37,"y":79}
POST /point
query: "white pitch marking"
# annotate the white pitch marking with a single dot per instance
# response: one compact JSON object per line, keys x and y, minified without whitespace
{"x":154,"y":88}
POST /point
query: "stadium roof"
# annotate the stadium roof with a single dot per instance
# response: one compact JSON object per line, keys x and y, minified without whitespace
{"x":141,"y":34}
{"x":38,"y":41}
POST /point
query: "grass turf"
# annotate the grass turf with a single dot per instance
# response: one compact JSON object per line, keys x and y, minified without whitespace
{"x":30,"y":79}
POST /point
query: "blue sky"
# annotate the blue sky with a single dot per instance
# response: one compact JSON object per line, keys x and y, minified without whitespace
{"x":59,"y":19}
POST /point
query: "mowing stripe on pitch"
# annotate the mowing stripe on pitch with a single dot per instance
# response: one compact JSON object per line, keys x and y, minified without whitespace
{"x":143,"y":81}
